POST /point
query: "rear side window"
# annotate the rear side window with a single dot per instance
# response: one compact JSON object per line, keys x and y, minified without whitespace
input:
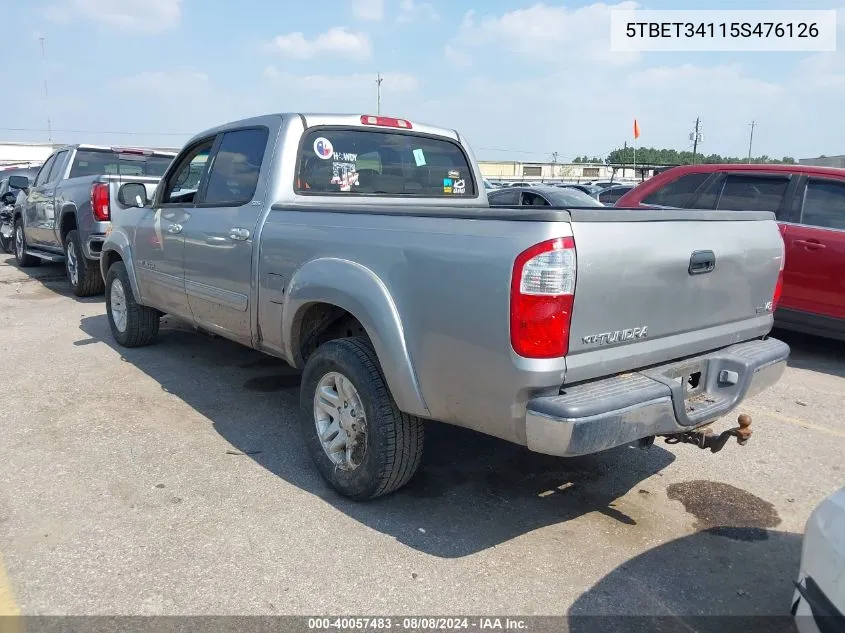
{"x":235,"y":167}
{"x":743,"y":192}
{"x":678,"y":193}
{"x":58,"y":165}
{"x":368,"y":162}
{"x":503,"y":198}
{"x":824,"y":204}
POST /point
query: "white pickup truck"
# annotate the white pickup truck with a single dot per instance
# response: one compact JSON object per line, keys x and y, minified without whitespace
{"x":362,"y":250}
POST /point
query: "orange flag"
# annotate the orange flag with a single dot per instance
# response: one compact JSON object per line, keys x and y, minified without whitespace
{"x":636,"y":129}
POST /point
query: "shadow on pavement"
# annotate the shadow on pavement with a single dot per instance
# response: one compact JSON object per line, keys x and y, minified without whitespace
{"x":471,"y":493}
{"x":38,"y":282}
{"x":700,"y":582}
{"x":814,"y":352}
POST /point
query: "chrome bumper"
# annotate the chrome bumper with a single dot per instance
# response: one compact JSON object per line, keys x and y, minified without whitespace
{"x":666,"y":399}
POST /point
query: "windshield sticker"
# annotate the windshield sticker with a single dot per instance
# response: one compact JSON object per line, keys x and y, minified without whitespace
{"x":419,"y":157}
{"x":323,"y":148}
{"x":454,"y":173}
{"x":447,"y":185}
{"x":344,"y":175}
{"x":459,"y":187}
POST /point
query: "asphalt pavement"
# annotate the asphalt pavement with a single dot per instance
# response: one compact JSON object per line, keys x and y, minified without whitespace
{"x":172,"y":480}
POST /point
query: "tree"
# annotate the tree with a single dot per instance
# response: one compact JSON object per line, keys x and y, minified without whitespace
{"x":654,"y":156}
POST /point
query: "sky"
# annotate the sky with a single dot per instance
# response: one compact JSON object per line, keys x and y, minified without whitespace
{"x":519,"y":79}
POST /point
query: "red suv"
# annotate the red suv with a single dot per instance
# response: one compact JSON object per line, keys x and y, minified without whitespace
{"x":809,"y":203}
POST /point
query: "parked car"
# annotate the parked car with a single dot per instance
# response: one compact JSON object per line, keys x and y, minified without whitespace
{"x":65,"y":213}
{"x":9,"y":191}
{"x":610,"y":195}
{"x":604,"y":184}
{"x":489,"y":185}
{"x":363,"y":250}
{"x":809,"y":203}
{"x":819,"y":601}
{"x":541,"y":195}
{"x":590,"y":190}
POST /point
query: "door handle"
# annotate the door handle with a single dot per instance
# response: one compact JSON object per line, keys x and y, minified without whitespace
{"x":174,"y":228}
{"x":811,"y":245}
{"x":238,"y":234}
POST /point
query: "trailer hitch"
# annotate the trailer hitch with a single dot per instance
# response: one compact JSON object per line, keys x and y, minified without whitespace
{"x":705,"y":438}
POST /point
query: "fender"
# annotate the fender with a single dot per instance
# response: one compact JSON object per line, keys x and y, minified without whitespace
{"x":118,"y":242}
{"x":360,"y":292}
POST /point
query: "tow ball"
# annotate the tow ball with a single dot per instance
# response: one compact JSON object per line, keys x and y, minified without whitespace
{"x":706,"y":439}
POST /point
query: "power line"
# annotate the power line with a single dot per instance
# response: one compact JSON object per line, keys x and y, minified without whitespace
{"x":46,"y":95}
{"x":37,"y":129}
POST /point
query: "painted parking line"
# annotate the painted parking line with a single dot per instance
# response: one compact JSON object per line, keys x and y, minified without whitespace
{"x":7,"y":600}
{"x":799,"y":422}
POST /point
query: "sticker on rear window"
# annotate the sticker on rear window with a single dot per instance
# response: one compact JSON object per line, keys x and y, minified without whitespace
{"x":419,"y":157}
{"x":454,"y":173}
{"x":323,"y":148}
{"x":447,"y":185}
{"x":459,"y":187}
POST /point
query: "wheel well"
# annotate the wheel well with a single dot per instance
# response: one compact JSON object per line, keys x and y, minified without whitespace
{"x":323,"y":322}
{"x":68,"y":224}
{"x":111,"y":258}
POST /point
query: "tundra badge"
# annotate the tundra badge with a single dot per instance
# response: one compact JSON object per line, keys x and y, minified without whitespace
{"x":608,"y":338}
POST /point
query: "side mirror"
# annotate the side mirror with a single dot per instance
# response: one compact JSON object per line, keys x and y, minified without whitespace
{"x":133,"y":194}
{"x":19,"y":182}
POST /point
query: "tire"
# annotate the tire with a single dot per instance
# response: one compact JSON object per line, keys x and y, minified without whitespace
{"x":141,"y":326}
{"x":6,"y":243}
{"x":84,"y":275}
{"x":393,"y":443}
{"x":24,"y":260}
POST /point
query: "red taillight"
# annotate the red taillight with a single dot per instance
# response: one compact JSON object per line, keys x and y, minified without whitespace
{"x":542,"y":293}
{"x":386,"y":121}
{"x":779,"y":283}
{"x":100,"y":201}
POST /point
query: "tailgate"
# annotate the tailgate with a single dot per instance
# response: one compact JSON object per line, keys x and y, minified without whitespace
{"x":656,"y":285}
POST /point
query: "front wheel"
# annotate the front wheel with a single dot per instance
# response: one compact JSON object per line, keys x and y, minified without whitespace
{"x":24,"y":260}
{"x":7,"y":242}
{"x":131,"y":323}
{"x":362,"y":444}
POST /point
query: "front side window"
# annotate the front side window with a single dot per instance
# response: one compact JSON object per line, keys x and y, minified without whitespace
{"x":182,"y":185}
{"x":743,"y":192}
{"x":678,"y":193}
{"x":236,"y":166}
{"x":45,"y":171}
{"x":369,"y":162}
{"x":58,"y":164}
{"x":824,"y":204}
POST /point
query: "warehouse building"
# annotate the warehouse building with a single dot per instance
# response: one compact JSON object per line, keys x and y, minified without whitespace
{"x":576,"y":172}
{"x":24,"y":154}
{"x":824,"y":161}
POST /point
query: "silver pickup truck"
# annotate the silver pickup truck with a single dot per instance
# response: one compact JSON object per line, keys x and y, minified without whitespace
{"x":362,"y":250}
{"x":67,"y":208}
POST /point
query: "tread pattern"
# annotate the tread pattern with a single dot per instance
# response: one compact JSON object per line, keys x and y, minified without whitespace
{"x":402,"y":435}
{"x":142,"y":322}
{"x":90,"y":278}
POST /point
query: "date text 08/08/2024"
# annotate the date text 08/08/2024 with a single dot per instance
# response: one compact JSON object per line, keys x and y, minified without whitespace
{"x":420,"y":623}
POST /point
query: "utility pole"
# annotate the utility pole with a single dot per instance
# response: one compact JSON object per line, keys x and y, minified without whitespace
{"x":46,"y":96}
{"x":696,"y":137}
{"x":554,"y":162}
{"x":753,"y":124}
{"x":379,"y":79}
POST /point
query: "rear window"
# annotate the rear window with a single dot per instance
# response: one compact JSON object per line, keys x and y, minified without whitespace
{"x":96,"y":163}
{"x":369,"y":162}
{"x":677,"y":193}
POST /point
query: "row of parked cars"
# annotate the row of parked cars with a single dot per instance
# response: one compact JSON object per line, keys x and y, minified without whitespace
{"x":363,"y":251}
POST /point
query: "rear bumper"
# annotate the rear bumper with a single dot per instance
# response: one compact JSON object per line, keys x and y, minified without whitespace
{"x":665,"y":399}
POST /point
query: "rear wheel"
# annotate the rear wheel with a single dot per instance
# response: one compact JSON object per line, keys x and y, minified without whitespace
{"x":132,"y":324}
{"x":362,"y":444}
{"x":24,"y":260}
{"x":83,"y":274}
